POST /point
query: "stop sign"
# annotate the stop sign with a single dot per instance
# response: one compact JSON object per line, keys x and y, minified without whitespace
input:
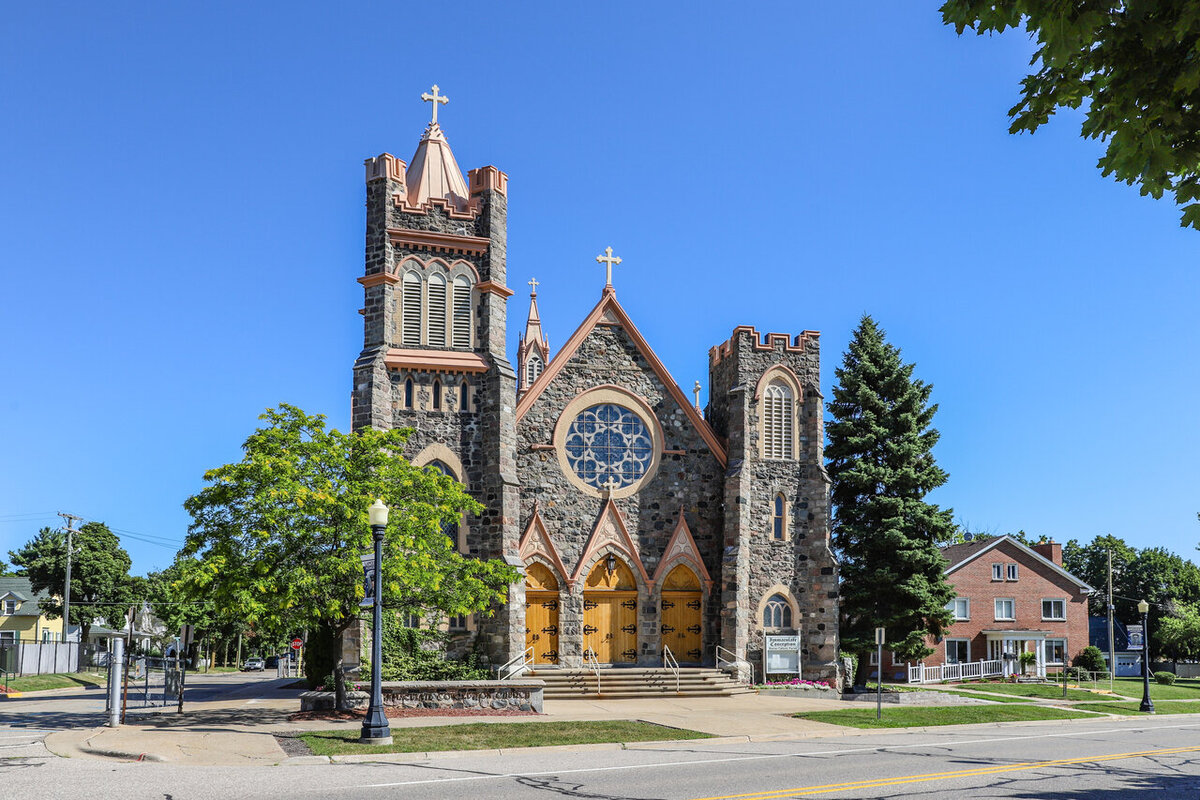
{"x":297,"y":643}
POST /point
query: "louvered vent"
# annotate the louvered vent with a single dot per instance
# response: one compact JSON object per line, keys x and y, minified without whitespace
{"x":437,"y":311}
{"x":777,"y":421}
{"x":462,"y":312}
{"x":411,"y":331}
{"x":533,"y":368}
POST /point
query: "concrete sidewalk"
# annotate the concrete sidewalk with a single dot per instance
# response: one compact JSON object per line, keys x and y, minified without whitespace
{"x":241,"y":732}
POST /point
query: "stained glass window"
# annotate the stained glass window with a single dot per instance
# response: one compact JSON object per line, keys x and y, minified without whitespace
{"x":609,"y":443}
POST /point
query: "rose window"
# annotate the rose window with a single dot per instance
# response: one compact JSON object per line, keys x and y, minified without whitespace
{"x":608,"y":446}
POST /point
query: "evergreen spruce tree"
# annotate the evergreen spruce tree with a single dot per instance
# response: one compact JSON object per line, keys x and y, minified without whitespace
{"x":886,"y":535}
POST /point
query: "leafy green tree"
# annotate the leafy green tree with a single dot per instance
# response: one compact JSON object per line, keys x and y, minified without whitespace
{"x":100,"y":583}
{"x":886,"y":535}
{"x":5,"y":570}
{"x":1135,"y":67}
{"x":1089,"y":562}
{"x":1179,"y":633}
{"x":276,"y":537}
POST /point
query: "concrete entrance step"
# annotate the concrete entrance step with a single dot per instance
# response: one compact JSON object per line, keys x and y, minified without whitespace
{"x":638,"y":682}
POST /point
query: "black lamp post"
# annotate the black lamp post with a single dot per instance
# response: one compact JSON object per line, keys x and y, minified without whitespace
{"x":375,"y":729}
{"x":1147,"y":704}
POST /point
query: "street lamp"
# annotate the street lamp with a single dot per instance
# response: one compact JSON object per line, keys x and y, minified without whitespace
{"x":1147,"y":704}
{"x":375,"y":729}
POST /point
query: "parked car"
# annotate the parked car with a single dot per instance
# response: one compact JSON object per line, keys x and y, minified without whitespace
{"x":253,"y":665}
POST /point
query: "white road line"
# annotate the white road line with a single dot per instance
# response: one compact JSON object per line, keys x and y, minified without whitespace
{"x":844,"y":751}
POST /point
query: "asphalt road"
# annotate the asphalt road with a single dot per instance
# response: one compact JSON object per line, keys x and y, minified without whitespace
{"x":1135,"y":759}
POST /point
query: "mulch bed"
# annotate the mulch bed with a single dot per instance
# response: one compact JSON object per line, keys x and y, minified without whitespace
{"x":397,"y":713}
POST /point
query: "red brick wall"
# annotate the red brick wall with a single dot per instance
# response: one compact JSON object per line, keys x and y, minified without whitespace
{"x":1035,"y":582}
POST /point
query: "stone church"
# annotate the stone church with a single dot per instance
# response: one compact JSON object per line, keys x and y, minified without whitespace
{"x":643,"y":523}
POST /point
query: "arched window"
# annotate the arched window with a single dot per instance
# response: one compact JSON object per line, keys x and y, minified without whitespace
{"x":777,"y":613}
{"x":408,"y":393}
{"x":451,"y":530}
{"x":437,"y":311}
{"x":411,"y":310}
{"x":777,"y":420}
{"x":779,"y":521}
{"x":462,"y":397}
{"x":462,"y":312}
{"x":533,"y":368}
{"x":437,"y":395}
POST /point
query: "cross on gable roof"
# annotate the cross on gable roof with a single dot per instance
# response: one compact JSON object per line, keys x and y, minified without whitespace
{"x":609,"y":308}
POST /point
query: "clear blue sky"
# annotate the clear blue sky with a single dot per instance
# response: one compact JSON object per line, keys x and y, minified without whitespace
{"x":181,"y":226}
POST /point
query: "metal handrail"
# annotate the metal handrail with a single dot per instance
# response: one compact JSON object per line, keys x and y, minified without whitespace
{"x":670,"y":663}
{"x":724,"y":661}
{"x":516,"y":665}
{"x":589,"y":661}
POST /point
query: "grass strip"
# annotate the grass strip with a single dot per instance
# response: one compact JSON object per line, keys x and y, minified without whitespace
{"x":1184,"y":689}
{"x":995,"y":698}
{"x":927,"y":716}
{"x":1049,"y":691}
{"x":1131,"y":708}
{"x":489,"y":736}
{"x":37,"y":683}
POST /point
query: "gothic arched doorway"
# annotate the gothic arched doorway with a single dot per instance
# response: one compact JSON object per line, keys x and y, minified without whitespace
{"x":610,"y":612}
{"x":541,"y":613}
{"x":681,"y":615}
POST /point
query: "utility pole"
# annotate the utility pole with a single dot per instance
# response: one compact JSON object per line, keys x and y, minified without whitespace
{"x":1112,"y":645}
{"x":71,"y":520}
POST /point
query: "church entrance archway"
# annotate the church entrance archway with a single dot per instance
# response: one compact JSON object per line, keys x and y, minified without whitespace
{"x":610,"y":612}
{"x":541,"y":614}
{"x":682,"y":604}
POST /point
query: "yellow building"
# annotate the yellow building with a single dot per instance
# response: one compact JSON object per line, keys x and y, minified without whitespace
{"x":20,"y":617}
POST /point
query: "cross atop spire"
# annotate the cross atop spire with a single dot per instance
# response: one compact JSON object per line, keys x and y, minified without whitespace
{"x":434,"y":98}
{"x":533,"y":284}
{"x":608,"y":259}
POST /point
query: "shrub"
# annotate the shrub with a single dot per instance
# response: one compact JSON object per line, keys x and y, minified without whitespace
{"x":1091,"y":659}
{"x":1165,"y":678}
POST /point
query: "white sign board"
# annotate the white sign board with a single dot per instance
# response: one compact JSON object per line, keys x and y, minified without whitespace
{"x":781,"y":655}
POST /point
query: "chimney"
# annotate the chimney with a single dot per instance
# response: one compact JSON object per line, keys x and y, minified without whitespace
{"x":1051,"y":550}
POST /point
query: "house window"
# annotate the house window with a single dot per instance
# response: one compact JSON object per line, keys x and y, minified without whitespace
{"x":1012,"y":572}
{"x":10,"y":607}
{"x":437,"y":311}
{"x":410,"y":311}
{"x":958,"y":651}
{"x":1054,"y":609}
{"x":997,"y":572}
{"x":412,"y":620}
{"x":960,"y":607}
{"x":8,"y":636}
{"x":777,"y":613}
{"x":437,"y":395}
{"x":873,"y":659}
{"x":408,"y":393}
{"x":462,"y":397}
{"x":1056,"y":651}
{"x":533,"y":368}
{"x":462,"y":312}
{"x":47,"y":635}
{"x":777,"y":421}
{"x":458,"y":622}
{"x":779,"y":523}
{"x":1004,"y":608}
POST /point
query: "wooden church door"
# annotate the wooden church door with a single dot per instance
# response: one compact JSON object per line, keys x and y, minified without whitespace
{"x":610,"y":614}
{"x":682,"y":605}
{"x":541,"y":614}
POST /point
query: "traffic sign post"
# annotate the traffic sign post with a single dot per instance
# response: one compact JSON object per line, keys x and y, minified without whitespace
{"x":297,"y":643}
{"x":879,"y":637}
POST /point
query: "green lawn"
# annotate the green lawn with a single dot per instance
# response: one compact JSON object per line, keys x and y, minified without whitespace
{"x":921,"y":716}
{"x":36,"y":683}
{"x":487,"y":736}
{"x":1131,"y":708}
{"x":1047,"y":690}
{"x":995,"y":698}
{"x":1185,"y":689}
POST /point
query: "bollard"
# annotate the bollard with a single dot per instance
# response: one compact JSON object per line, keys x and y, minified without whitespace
{"x":116,"y":666}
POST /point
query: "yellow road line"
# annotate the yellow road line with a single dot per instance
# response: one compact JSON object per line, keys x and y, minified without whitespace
{"x":941,"y":776}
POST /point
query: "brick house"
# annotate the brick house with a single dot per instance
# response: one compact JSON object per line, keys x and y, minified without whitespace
{"x":1010,"y":598}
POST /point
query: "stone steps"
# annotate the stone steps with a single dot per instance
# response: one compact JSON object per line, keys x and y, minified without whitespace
{"x":616,"y":683}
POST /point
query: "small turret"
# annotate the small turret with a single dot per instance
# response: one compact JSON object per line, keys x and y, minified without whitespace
{"x":533,"y":350}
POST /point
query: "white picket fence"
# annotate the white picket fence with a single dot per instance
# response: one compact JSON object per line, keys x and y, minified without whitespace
{"x":972,"y":670}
